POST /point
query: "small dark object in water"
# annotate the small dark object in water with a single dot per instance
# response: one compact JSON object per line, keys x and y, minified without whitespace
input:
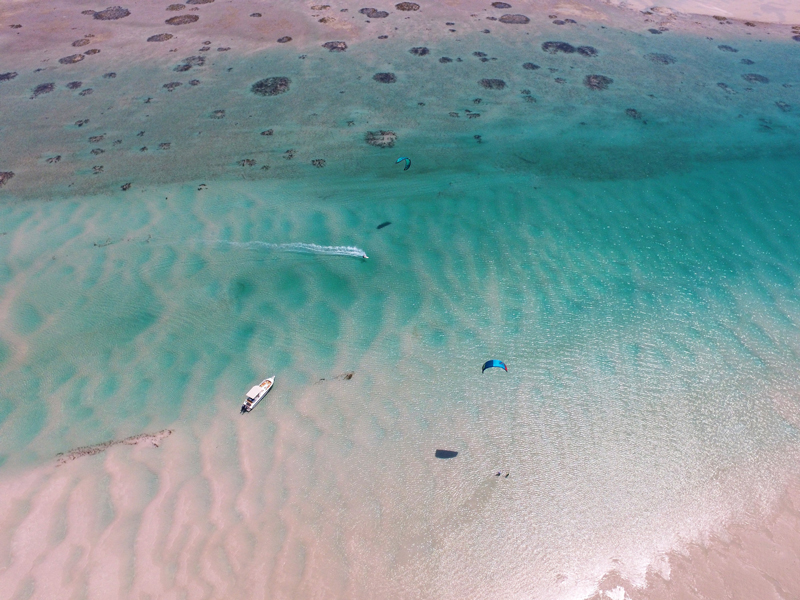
{"x":783,"y":106}
{"x":726,"y":88}
{"x":7,"y":76}
{"x":85,"y":92}
{"x":5,"y":177}
{"x":182,"y":68}
{"x":747,"y":61}
{"x":267,"y":132}
{"x":255,"y":15}
{"x":446,"y":453}
{"x":501,"y":5}
{"x":199,"y":1}
{"x":726,"y":48}
{"x":407,"y":6}
{"x":109,"y":75}
{"x":43,"y":88}
{"x":96,"y":170}
{"x":182,"y":20}
{"x":96,"y":139}
{"x":420,"y":51}
{"x":86,"y":12}
{"x":74,"y":85}
{"x":558,"y":22}
{"x":82,"y":42}
{"x":271,"y":86}
{"x":755,"y":78}
{"x":479,"y":54}
{"x":530,"y":66}
{"x":54,"y":159}
{"x":556,"y":47}
{"x":71,"y":60}
{"x":112,"y":13}
{"x":160,"y":37}
{"x":335,"y":46}
{"x":176,"y":7}
{"x":218,"y":114}
{"x":164,"y":146}
{"x":285,"y":39}
{"x":633,"y":113}
{"x":654,"y":31}
{"x":514,"y":19}
{"x":383,"y":37}
{"x":445,"y":59}
{"x":374,"y":13}
{"x":384,"y":224}
{"x":796,"y":38}
{"x":81,"y":123}
{"x":92,"y":51}
{"x":125,"y":187}
{"x":381,"y":139}
{"x":172,"y":85}
{"x":247,"y":162}
{"x":492,"y":84}
{"x":194,"y":82}
{"x":597,"y":82}
{"x":660,"y":59}
{"x":587,"y":51}
{"x":572,"y":21}
{"x":384,"y":77}
{"x":195,"y":61}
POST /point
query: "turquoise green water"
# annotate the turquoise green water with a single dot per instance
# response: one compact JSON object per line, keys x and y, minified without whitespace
{"x":640,"y":280}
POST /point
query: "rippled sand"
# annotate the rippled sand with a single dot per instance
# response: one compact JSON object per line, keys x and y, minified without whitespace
{"x":629,"y":252}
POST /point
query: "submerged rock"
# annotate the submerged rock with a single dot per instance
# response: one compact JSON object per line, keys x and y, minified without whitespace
{"x":530,"y":66}
{"x":597,"y":82}
{"x":492,"y":84}
{"x":556,"y":47}
{"x":633,"y":113}
{"x":72,"y":59}
{"x":182,"y":20}
{"x":587,"y":51}
{"x":381,"y":139}
{"x":8,"y":76}
{"x":149,"y":439}
{"x":726,"y":48}
{"x":5,"y":177}
{"x":660,"y":59}
{"x":515,"y":19}
{"x":501,"y":5}
{"x":43,"y":88}
{"x":755,"y":78}
{"x":420,"y":51}
{"x":112,"y":13}
{"x":271,"y":86}
{"x":284,"y":40}
{"x":407,"y":6}
{"x":374,"y":13}
{"x":335,"y":46}
{"x":160,"y":37}
{"x":384,"y":77}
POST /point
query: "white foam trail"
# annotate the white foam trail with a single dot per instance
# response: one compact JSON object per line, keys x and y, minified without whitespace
{"x":300,"y":248}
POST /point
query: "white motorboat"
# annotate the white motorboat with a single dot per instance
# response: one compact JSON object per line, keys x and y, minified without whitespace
{"x":256,"y":393}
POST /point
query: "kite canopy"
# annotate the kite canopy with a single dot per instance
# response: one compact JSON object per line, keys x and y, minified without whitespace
{"x":408,"y":162}
{"x":494,"y":363}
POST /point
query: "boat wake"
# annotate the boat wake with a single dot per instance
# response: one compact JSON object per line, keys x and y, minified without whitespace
{"x":299,"y":248}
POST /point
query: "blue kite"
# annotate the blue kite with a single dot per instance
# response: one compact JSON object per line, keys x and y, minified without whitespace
{"x":408,"y":162}
{"x":494,"y":363}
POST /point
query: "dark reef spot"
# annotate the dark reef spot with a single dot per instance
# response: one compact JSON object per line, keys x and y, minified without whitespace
{"x":374,"y":13}
{"x":289,"y":154}
{"x":473,"y":115}
{"x":96,"y":151}
{"x":43,"y":88}
{"x":448,"y":453}
{"x":445,"y":59}
{"x":182,"y":20}
{"x":514,"y":19}
{"x":164,"y":145}
{"x":87,"y":12}
{"x":176,"y":7}
{"x":560,"y":80}
{"x":285,"y":39}
{"x":559,"y":22}
{"x":747,"y":61}
{"x":384,"y":224}
{"x":96,"y":139}
{"x":81,"y":42}
{"x":501,"y":5}
{"x":194,"y":82}
{"x":383,"y":37}
{"x":72,"y":59}
{"x":654,"y":31}
{"x":597,"y":82}
{"x":633,"y":113}
{"x":160,"y":37}
{"x":5,"y":177}
{"x":726,"y":88}
{"x":96,"y":170}
{"x":199,"y":1}
{"x":796,"y":38}
{"x":749,"y":24}
{"x":419,"y":51}
{"x":587,"y":51}
{"x":53,"y":159}
{"x":755,"y":78}
{"x":479,"y":54}
{"x":267,"y":132}
{"x":381,"y":139}
{"x":81,"y":123}
{"x":573,"y":21}
{"x":125,"y":187}
{"x":726,"y":48}
{"x":218,"y":114}
{"x":92,"y":51}
{"x":492,"y":84}
{"x":454,"y":115}
{"x":247,"y":162}
{"x":256,"y":15}
{"x":530,"y":66}
{"x":783,"y":106}
{"x":172,"y":85}
{"x":318,"y":162}
{"x":660,"y":59}
{"x":111,"y":75}
{"x":182,"y":68}
{"x":407,"y":6}
{"x":335,"y":46}
{"x":556,"y":47}
{"x":112,"y":13}
{"x":271,"y":86}
{"x":8,"y":76}
{"x":384,"y":77}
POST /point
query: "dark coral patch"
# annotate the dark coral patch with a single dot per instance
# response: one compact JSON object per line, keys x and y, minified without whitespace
{"x":783,"y":106}
{"x":112,"y":13}
{"x":420,"y":51}
{"x":182,"y":20}
{"x":335,"y":46}
{"x":374,"y":13}
{"x":86,"y":92}
{"x":43,"y":88}
{"x":633,"y":113}
{"x":514,"y":19}
{"x":755,"y":78}
{"x":218,"y":114}
{"x":381,"y":139}
{"x":587,"y":51}
{"x":556,"y":47}
{"x":199,"y":1}
{"x":5,"y":177}
{"x":530,"y":66}
{"x":7,"y":76}
{"x":176,"y":7}
{"x":384,"y":77}
{"x":407,"y":6}
{"x":796,"y":38}
{"x":71,"y":60}
{"x":597,"y":82}
{"x":445,"y":59}
{"x":74,"y":85}
{"x":194,"y":82}
{"x":660,"y":59}
{"x":285,"y":39}
{"x":81,"y":42}
{"x":160,"y":37}
{"x":726,"y":48}
{"x":271,"y":86}
{"x":92,"y":51}
{"x":492,"y":84}
{"x":501,"y":5}
{"x":172,"y":85}
{"x":654,"y":31}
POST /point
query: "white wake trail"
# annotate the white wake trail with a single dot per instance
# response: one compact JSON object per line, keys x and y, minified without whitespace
{"x":299,"y":248}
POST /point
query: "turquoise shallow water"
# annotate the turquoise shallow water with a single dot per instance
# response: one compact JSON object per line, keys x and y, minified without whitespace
{"x":637,"y":274}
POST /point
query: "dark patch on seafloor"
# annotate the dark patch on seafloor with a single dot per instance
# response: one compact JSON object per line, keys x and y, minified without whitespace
{"x":556,"y":47}
{"x":783,"y":106}
{"x":199,"y":1}
{"x":407,"y":6}
{"x":5,"y":177}
{"x":445,"y":59}
{"x":182,"y":20}
{"x":726,"y":48}
{"x":384,"y":224}
{"x":153,"y":439}
{"x":43,"y":88}
{"x":160,"y":37}
{"x":271,"y":86}
{"x":92,"y":51}
{"x":514,"y":19}
{"x":660,"y":59}
{"x":374,"y":13}
{"x":420,"y":51}
{"x":492,"y":84}
{"x":381,"y":139}
{"x":597,"y":82}
{"x":74,"y":85}
{"x":587,"y":51}
{"x":633,"y":113}
{"x":112,"y":13}
{"x":755,"y":78}
{"x":445,"y":453}
{"x":501,"y":5}
{"x":176,"y":7}
{"x":530,"y":66}
{"x":335,"y":46}
{"x":72,"y":59}
{"x":384,"y":77}
{"x":285,"y":39}
{"x":8,"y":76}
{"x":81,"y":42}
